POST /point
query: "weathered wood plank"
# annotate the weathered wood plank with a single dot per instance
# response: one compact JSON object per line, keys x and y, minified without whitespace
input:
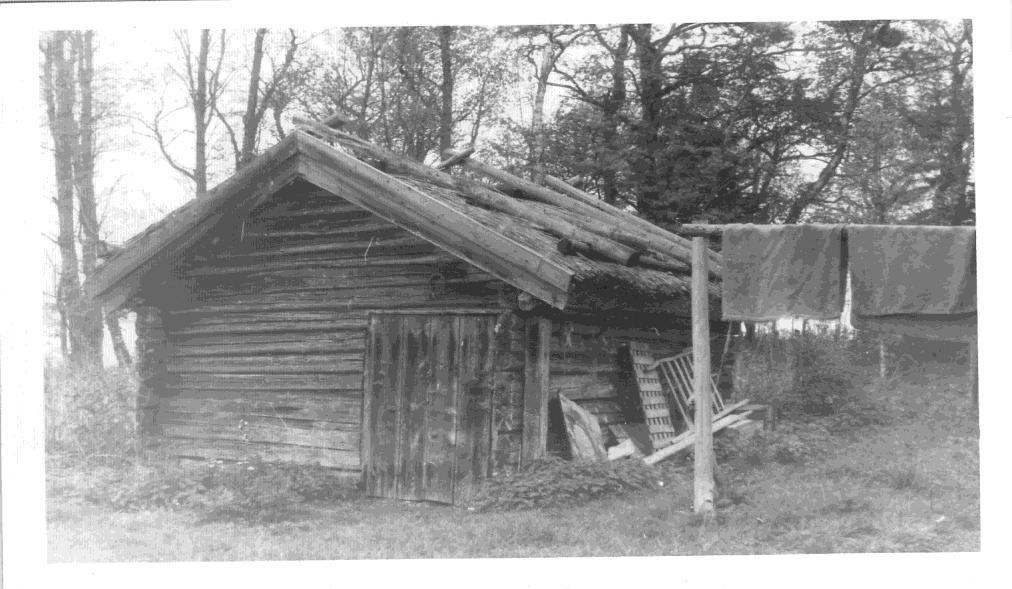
{"x":703,"y":459}
{"x":386,"y":370}
{"x":348,"y":381}
{"x":475,"y":365}
{"x":309,"y":346}
{"x":411,"y":425}
{"x":438,"y":455}
{"x":429,"y":286}
{"x":308,"y":407}
{"x":224,"y":328}
{"x":381,"y":302}
{"x":263,"y":432}
{"x":273,"y":452}
{"x":281,"y":364}
{"x":393,"y":265}
{"x":538,"y":332}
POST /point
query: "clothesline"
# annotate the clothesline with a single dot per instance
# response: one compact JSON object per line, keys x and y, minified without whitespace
{"x":717,"y":230}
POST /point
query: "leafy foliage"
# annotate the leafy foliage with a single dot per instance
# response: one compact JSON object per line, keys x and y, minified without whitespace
{"x":803,"y":375}
{"x":251,"y":491}
{"x":89,"y":413}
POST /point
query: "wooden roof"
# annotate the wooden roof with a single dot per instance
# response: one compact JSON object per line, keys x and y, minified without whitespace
{"x":524,"y":254}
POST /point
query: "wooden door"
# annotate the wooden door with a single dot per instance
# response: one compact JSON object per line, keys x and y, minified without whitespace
{"x":428,"y":405}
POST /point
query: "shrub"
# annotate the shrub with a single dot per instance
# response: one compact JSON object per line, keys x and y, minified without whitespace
{"x":553,"y":481}
{"x":801,"y":376}
{"x":90,"y":414}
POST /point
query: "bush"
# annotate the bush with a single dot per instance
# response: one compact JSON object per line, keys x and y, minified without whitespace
{"x":90,"y":414}
{"x":801,"y":376}
{"x":553,"y":481}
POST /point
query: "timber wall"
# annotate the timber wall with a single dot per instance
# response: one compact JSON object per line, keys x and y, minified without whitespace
{"x":265,"y":328}
{"x":267,"y":322}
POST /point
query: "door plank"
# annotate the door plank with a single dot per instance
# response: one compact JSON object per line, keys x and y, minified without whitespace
{"x":381,"y":474}
{"x":475,"y":369}
{"x":415,"y":383}
{"x":441,"y":412}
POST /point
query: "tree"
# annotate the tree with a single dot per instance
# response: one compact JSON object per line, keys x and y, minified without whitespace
{"x":204,"y":85}
{"x":66,"y":72}
{"x":413,"y":90}
{"x":262,"y":94}
{"x":942,"y":117}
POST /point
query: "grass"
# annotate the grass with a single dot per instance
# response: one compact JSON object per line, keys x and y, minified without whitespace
{"x":909,"y":487}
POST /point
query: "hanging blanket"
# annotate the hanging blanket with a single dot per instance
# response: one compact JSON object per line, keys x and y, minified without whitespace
{"x":919,"y":281}
{"x":773,"y":271}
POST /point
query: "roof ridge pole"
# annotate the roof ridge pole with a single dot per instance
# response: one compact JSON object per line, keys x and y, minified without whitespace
{"x":703,"y":458}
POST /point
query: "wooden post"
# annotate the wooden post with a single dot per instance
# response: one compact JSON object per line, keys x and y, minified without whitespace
{"x":703,"y":461}
{"x":537,"y":346}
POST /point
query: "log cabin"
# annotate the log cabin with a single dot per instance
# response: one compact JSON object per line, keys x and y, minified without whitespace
{"x":335,"y":304}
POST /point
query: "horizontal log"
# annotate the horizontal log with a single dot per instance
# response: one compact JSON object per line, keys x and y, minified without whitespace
{"x":281,"y":382}
{"x":422,"y":284}
{"x":238,"y":420}
{"x":237,"y":450}
{"x":329,"y":406}
{"x":265,"y":433}
{"x":386,"y":246}
{"x":372,"y":227}
{"x":242,"y":339}
{"x":323,"y":300}
{"x":188,"y":349}
{"x":420,"y":259}
{"x":175,"y":321}
{"x":337,"y":208}
{"x":266,"y":327}
{"x":279,"y":364}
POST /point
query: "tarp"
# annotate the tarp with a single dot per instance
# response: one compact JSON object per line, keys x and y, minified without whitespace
{"x":898,"y":269}
{"x":914,"y":280}
{"x":772,"y":271}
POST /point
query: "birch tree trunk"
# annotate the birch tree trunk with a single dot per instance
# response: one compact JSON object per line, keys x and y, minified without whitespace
{"x":84,"y":183}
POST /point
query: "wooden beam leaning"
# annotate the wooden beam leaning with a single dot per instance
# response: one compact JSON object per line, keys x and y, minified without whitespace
{"x":455,"y":159}
{"x":621,"y":225}
{"x":703,"y":454}
{"x":570,"y":190}
{"x":489,"y":198}
{"x":432,"y":219}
